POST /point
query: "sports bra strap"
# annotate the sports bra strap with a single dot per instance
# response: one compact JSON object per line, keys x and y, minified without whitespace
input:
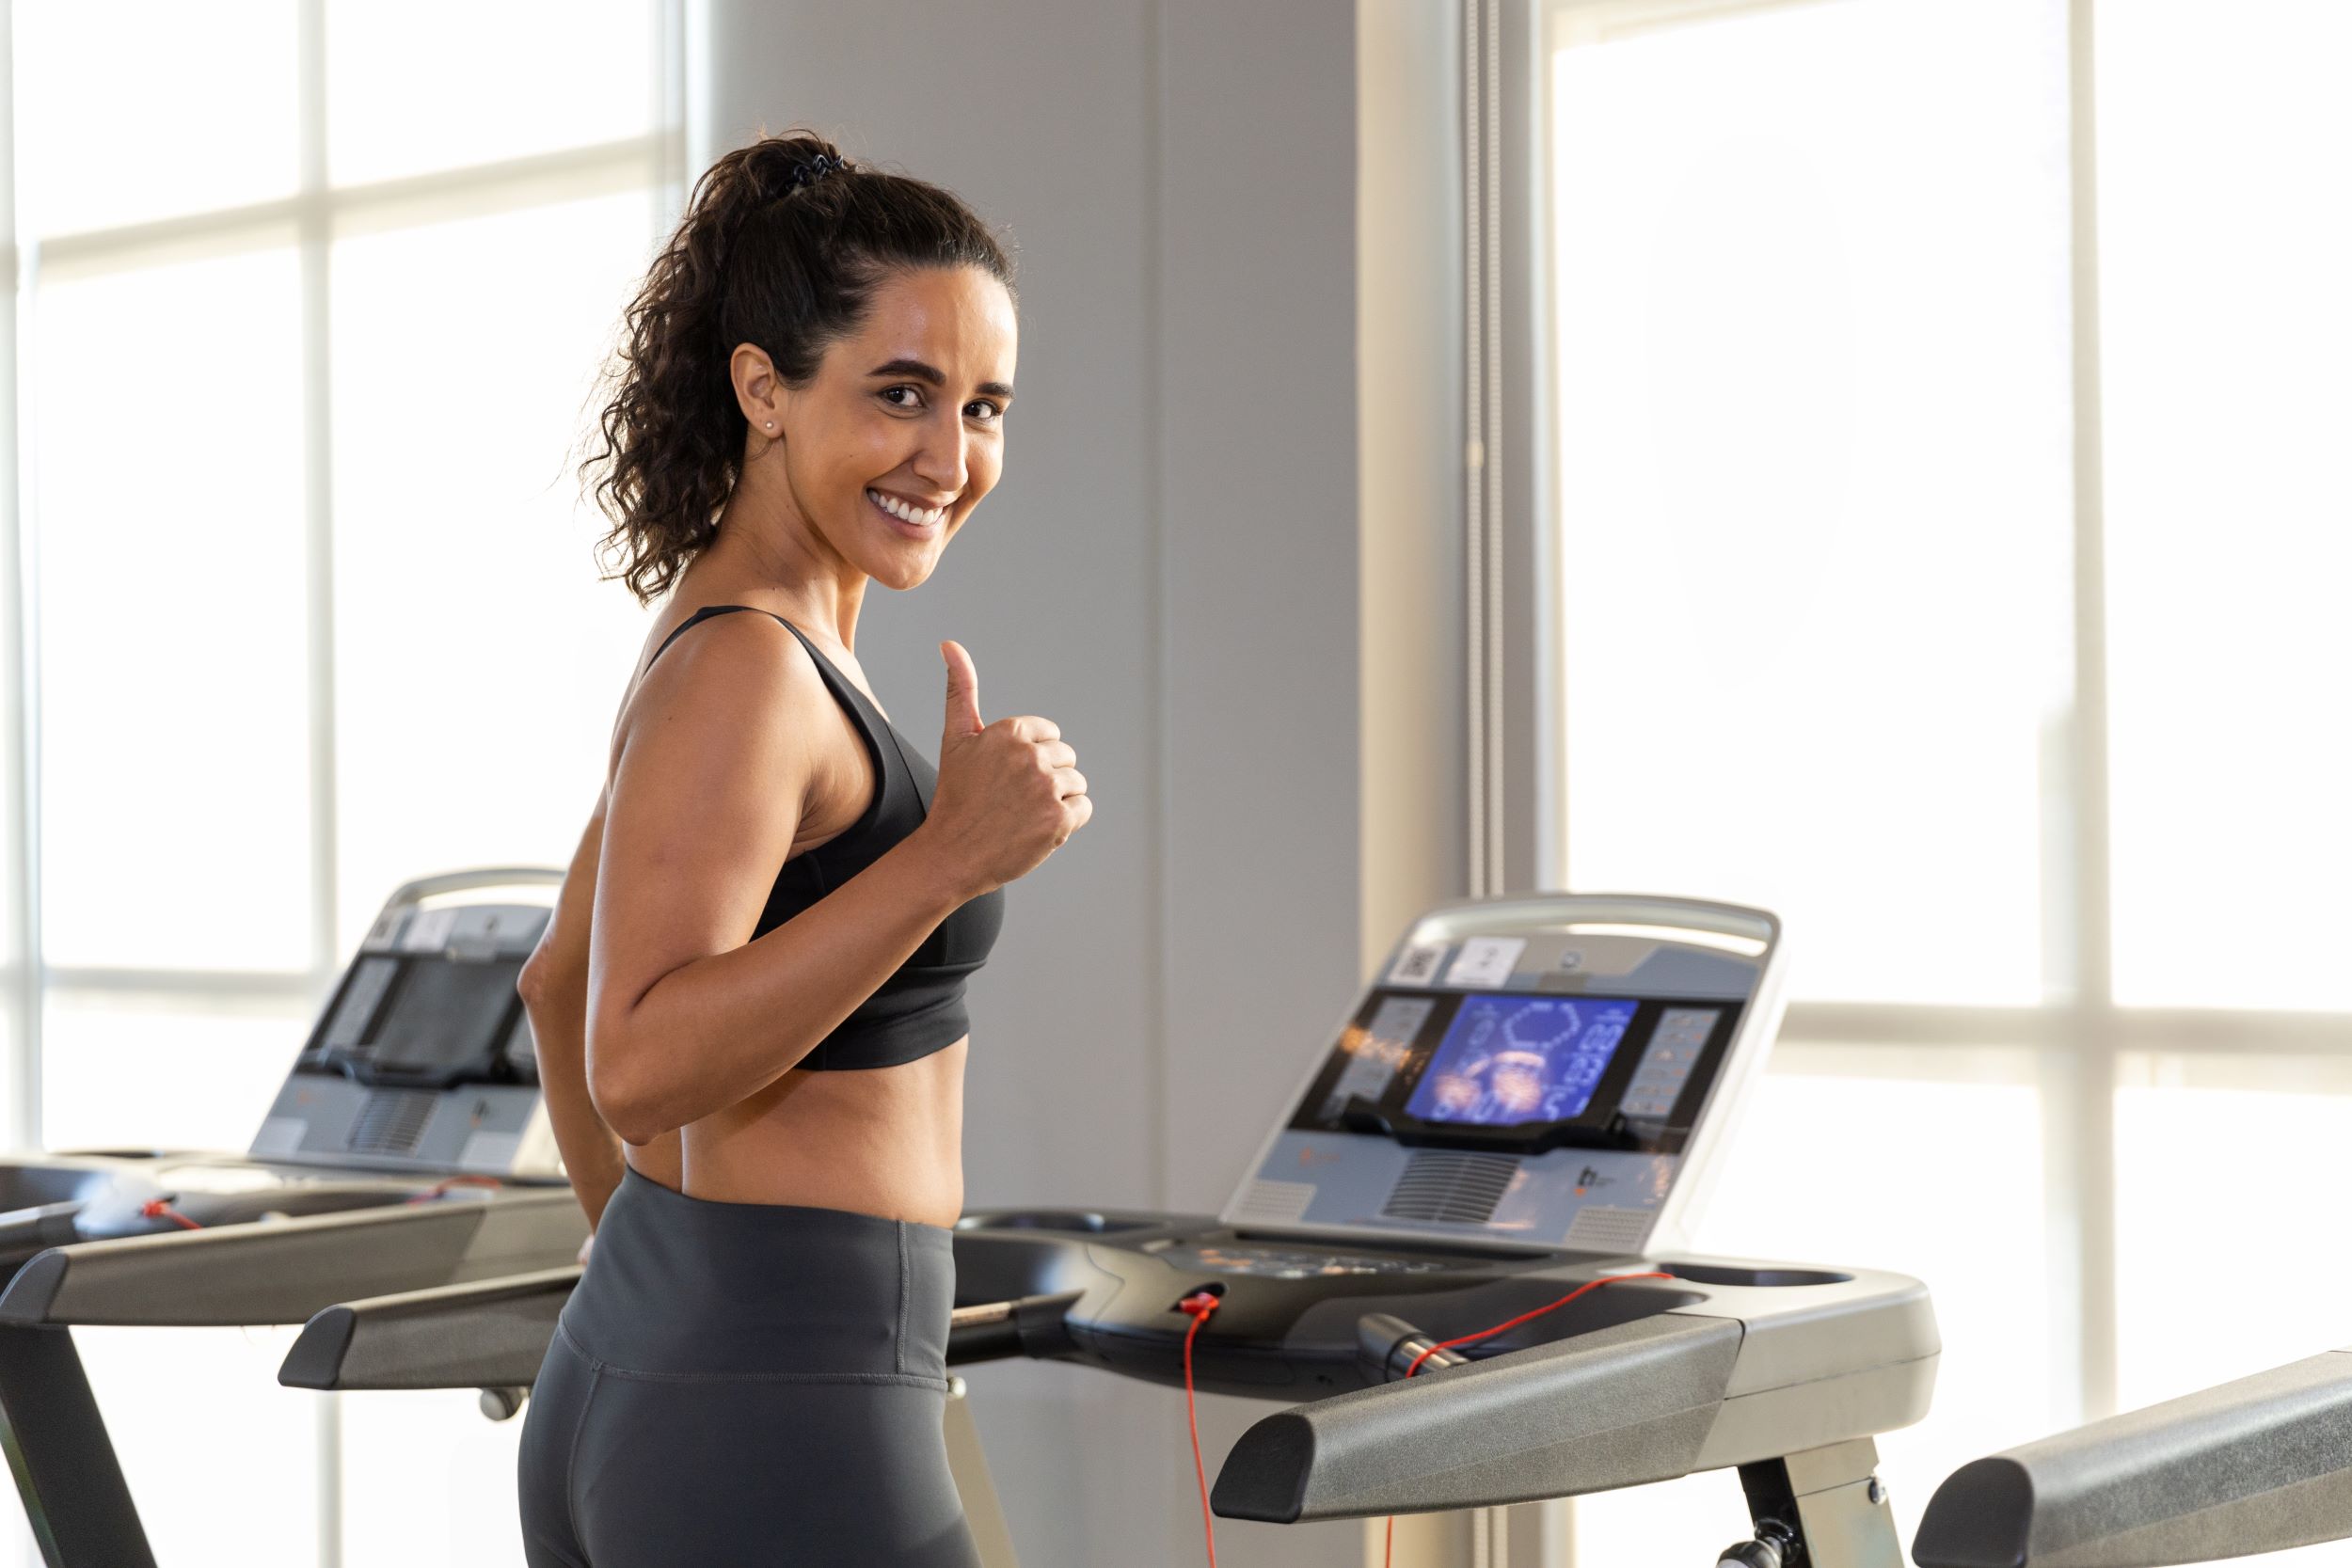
{"x":707,"y":613}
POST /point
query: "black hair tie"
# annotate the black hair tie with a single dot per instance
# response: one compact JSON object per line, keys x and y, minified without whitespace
{"x":816,"y":169}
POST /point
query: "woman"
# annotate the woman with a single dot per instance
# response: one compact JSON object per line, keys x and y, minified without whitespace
{"x":810,"y":397}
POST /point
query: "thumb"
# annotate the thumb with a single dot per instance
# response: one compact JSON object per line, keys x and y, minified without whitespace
{"x":963,"y":693}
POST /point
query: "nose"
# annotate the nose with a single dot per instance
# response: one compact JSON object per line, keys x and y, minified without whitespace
{"x":944,"y":460}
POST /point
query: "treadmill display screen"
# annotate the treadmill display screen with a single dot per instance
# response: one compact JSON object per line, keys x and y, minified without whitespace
{"x":1507,"y":1060}
{"x":446,"y":1017}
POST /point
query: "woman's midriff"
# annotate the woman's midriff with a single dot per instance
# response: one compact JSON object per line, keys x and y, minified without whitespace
{"x":884,"y":1141}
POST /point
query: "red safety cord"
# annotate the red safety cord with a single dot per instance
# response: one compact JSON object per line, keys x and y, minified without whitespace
{"x":160,"y":1208}
{"x":1197,"y":1305}
{"x":1388,"y":1545}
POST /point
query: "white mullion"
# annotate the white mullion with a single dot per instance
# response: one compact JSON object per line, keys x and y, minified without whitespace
{"x":510,"y":185}
{"x":1491,"y":447}
{"x":1919,"y":1024}
{"x":2058,"y":1029}
{"x":24,"y":690}
{"x":1596,"y":22}
{"x":199,"y":986}
{"x":1475,"y":609}
{"x":314,"y":229}
{"x":693,"y":22}
{"x":2097,"y":1035}
{"x":670,"y":97}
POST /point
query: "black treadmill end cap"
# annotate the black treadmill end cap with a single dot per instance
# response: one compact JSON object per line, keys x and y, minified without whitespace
{"x":34,"y":1290}
{"x":1980,"y":1517}
{"x":1264,"y":1476}
{"x":316,"y":1360}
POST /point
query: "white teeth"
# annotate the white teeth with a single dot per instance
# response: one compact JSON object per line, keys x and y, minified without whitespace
{"x":920,"y":517}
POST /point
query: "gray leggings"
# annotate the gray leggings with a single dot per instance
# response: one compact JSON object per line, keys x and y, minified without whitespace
{"x":739,"y":1384}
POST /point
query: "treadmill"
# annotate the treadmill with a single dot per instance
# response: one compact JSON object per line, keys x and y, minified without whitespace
{"x":2260,"y":1465}
{"x":408,"y":1148}
{"x":1529,"y":1097}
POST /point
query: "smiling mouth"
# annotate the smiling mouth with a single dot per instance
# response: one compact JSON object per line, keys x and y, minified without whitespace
{"x":915,"y":516}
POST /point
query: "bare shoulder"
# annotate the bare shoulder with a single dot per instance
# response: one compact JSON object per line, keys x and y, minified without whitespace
{"x":744,"y":668}
{"x":714,"y":760}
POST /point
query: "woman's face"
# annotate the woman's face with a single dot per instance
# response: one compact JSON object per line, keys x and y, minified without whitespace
{"x":900,"y":432}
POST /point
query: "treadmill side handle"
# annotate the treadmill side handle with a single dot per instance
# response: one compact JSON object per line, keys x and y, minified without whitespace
{"x":1616,"y":1407}
{"x":2254,"y":1465}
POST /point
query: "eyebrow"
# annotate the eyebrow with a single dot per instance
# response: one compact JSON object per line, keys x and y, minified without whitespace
{"x":921,"y":372}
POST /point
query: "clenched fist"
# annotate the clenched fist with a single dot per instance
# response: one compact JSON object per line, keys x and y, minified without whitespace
{"x":1009,"y":793}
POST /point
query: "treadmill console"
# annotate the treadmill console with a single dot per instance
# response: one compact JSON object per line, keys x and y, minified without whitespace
{"x":1543,"y":1071}
{"x":422,"y":1057}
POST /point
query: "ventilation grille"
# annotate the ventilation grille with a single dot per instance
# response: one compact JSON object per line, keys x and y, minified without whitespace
{"x":1274,"y":1202}
{"x":1449,"y":1186}
{"x":1600,"y":1229}
{"x":391,"y":1121}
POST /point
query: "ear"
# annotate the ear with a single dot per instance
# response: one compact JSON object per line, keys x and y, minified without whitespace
{"x":759,"y":390}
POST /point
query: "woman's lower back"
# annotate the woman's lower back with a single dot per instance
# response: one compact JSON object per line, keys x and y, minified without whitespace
{"x":885,"y":1141}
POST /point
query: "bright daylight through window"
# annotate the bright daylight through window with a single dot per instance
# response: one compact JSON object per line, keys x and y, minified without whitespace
{"x":362,"y":261}
{"x":1950,"y":522}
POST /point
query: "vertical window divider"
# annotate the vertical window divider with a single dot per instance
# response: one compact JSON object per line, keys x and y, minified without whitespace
{"x":2095,"y":1023}
{"x":22,"y":713}
{"x":1475,"y":84}
{"x":674,"y":90}
{"x":313,"y":224}
{"x":314,"y":230}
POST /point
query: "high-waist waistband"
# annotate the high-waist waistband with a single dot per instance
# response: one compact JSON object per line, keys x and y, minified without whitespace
{"x":685,"y":1286}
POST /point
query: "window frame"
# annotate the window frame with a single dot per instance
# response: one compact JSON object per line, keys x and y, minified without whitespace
{"x":2079,"y":1039}
{"x":661,"y":162}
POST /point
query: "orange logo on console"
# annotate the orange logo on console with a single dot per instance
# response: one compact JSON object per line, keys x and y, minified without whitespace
{"x":1313,"y":1156}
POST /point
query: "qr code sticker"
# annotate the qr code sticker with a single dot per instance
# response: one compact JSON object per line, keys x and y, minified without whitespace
{"x":1418,"y":967}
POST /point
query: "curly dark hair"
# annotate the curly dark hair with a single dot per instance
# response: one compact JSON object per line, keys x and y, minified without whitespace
{"x":781,"y":246}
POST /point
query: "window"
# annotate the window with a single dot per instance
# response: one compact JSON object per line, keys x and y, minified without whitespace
{"x":1950,"y":522}
{"x":303,"y":347}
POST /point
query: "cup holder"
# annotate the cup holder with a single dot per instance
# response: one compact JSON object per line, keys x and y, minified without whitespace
{"x":1734,"y":1273}
{"x":1076,"y":1222}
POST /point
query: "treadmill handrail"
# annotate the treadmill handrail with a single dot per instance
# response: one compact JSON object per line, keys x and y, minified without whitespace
{"x":490,"y":1334}
{"x":444,"y":882}
{"x":1620,"y":1406}
{"x":494,"y":1333}
{"x":2259,"y":1464}
{"x":283,"y":1270}
{"x":1664,"y":911}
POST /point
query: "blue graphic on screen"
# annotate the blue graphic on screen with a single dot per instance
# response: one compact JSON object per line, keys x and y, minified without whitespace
{"x":1511,"y":1059}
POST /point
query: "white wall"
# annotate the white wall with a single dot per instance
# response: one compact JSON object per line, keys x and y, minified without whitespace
{"x":1170,"y":570}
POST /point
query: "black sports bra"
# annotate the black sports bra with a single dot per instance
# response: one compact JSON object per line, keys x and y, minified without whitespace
{"x":919,"y":1009}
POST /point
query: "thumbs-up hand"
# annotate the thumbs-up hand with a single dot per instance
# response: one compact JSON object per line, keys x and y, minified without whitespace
{"x":1009,"y":794}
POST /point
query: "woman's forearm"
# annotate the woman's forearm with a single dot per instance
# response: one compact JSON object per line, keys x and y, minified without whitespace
{"x":592,"y":1151}
{"x":719,"y":1029}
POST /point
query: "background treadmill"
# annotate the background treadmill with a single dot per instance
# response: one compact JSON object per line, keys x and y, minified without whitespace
{"x":408,"y":1148}
{"x":1531,"y":1095}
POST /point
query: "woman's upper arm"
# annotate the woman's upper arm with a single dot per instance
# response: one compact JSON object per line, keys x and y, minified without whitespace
{"x":558,"y":966}
{"x":707,"y":795}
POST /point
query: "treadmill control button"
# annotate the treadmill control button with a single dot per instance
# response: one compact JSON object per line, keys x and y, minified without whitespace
{"x":1298,"y":1262}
